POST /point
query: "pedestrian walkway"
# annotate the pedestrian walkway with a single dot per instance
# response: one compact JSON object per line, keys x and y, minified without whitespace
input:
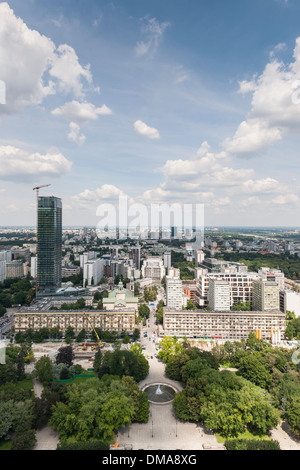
{"x":46,"y":438}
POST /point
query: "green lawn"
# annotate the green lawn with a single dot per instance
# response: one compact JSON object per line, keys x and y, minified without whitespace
{"x":5,"y":445}
{"x":23,"y":385}
{"x":245,"y":435}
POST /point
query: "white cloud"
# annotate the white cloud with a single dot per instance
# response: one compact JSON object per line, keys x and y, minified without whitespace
{"x":107,"y":193}
{"x":31,"y":66}
{"x":25,"y":55}
{"x":81,"y":112}
{"x":274,"y":109}
{"x":252,"y":136}
{"x":286,"y":199}
{"x":68,"y":71}
{"x":17,"y":164}
{"x":153,"y":31}
{"x":146,"y":131}
{"x":74,"y":134}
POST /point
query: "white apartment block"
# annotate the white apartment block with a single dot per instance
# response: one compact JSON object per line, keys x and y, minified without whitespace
{"x":93,"y":271}
{"x":153,"y":268}
{"x":88,"y":256}
{"x":199,"y":257}
{"x":290,"y":301}
{"x":240,"y":286}
{"x":219,"y":295}
{"x":174,"y":293}
{"x":174,"y":272}
{"x":265,"y":295}
{"x":272,"y":275}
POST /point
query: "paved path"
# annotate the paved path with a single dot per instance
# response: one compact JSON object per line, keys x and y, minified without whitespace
{"x":46,"y":438}
{"x":283,"y":435}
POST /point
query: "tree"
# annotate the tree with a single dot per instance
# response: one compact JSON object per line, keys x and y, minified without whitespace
{"x":253,"y":369}
{"x":65,"y":355}
{"x":6,"y":417}
{"x":293,"y":414}
{"x":169,"y":347}
{"x":43,"y":369}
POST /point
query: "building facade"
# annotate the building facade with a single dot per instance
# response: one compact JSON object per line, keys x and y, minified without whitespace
{"x":104,"y":320}
{"x":219,"y":295}
{"x":265,"y":295}
{"x":174,"y":293}
{"x":153,"y":268}
{"x":49,"y":244}
{"x":233,"y":326}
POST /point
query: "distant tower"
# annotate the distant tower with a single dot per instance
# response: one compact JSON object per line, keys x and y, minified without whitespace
{"x":49,"y":245}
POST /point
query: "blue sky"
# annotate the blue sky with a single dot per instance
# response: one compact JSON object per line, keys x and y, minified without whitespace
{"x":174,"y":101}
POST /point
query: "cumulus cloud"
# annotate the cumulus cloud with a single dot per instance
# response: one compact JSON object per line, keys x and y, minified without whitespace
{"x":17,"y":164}
{"x":81,"y":112}
{"x":68,"y":71}
{"x":74,"y":134}
{"x":146,"y":131}
{"x":46,"y":69}
{"x":274,"y":108}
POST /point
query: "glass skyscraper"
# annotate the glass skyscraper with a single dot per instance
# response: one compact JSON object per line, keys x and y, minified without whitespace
{"x":49,"y":245}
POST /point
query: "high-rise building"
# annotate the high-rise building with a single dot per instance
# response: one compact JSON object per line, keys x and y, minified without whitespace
{"x":49,"y":233}
{"x":219,"y":295}
{"x":174,"y":293}
{"x":265,"y":295}
{"x":14,"y":269}
{"x":135,"y":255}
{"x":167,"y":259}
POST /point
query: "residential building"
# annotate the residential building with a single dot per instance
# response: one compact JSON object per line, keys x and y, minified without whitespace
{"x":272,"y":275}
{"x":135,"y":255}
{"x":240,"y":286}
{"x":228,"y":326}
{"x":167,"y":259}
{"x":93,"y":271}
{"x":153,"y":268}
{"x":265,"y":295}
{"x":219,"y":295}
{"x":290,"y":301}
{"x":14,"y":269}
{"x":174,"y":293}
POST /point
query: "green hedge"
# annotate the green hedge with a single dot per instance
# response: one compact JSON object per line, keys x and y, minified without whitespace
{"x":251,"y":444}
{"x":89,"y":445}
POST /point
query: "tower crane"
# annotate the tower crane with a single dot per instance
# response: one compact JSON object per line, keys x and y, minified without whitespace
{"x":37,"y":189}
{"x":101,"y":345}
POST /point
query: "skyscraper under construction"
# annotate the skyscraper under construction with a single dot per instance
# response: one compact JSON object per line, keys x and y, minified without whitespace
{"x":49,"y":245}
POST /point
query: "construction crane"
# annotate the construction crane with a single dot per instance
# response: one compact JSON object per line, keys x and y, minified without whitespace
{"x":37,"y":189}
{"x":101,"y":345}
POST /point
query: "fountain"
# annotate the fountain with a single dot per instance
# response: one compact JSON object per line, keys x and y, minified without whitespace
{"x":160,"y":393}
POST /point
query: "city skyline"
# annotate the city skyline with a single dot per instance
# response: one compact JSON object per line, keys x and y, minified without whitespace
{"x":158,"y":103}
